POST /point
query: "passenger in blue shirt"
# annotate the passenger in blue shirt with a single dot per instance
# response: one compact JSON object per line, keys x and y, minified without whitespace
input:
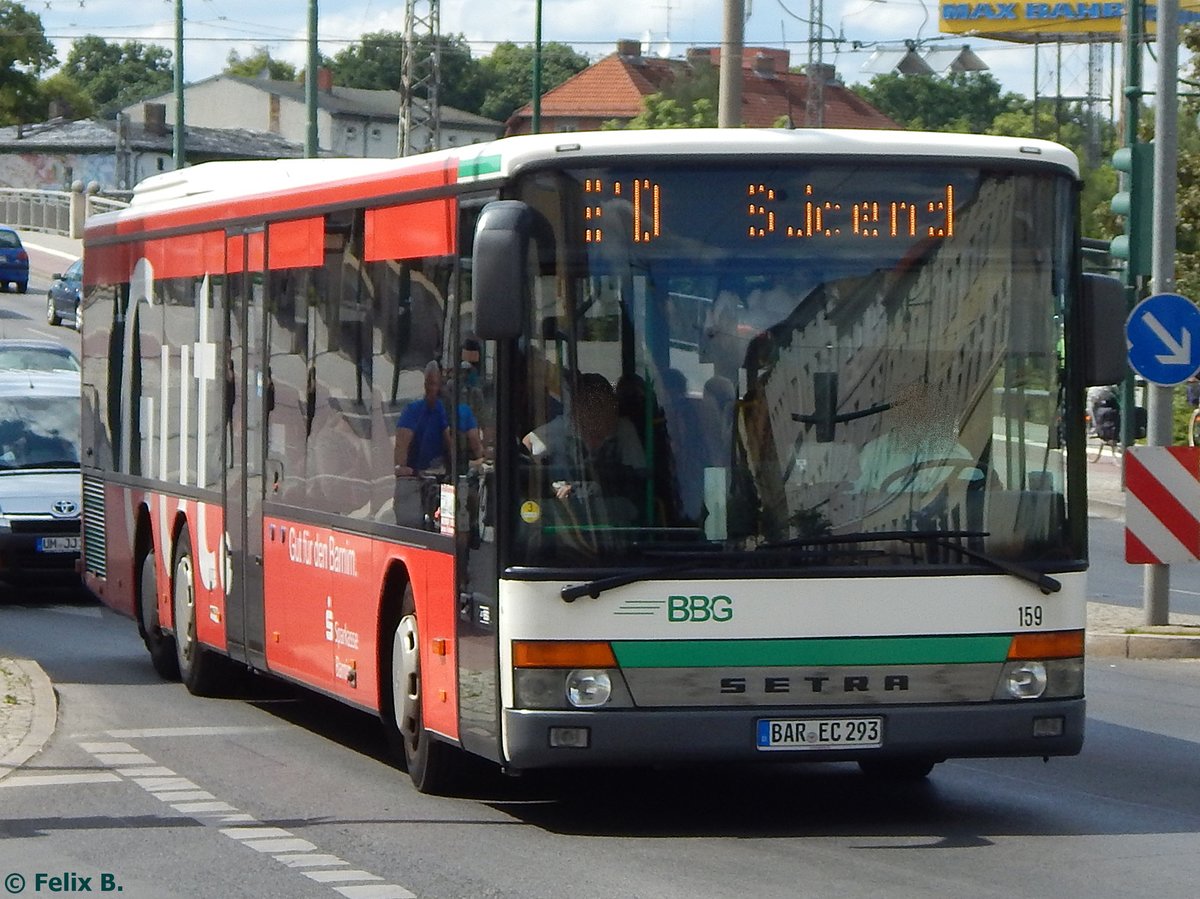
{"x":423,"y":431}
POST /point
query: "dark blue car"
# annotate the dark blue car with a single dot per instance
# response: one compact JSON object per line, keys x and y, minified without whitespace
{"x":14,"y":261}
{"x":62,"y":299}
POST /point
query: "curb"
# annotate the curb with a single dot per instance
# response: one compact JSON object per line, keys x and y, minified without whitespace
{"x":1143,"y":646}
{"x":45,"y":716}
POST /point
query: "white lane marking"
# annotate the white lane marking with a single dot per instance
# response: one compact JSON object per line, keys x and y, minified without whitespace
{"x":309,"y":860}
{"x":194,"y":808}
{"x":123,"y":758}
{"x":340,"y":876}
{"x":376,"y":891}
{"x":62,"y":254}
{"x":254,"y":833}
{"x":153,"y":784}
{"x":191,"y":731}
{"x":284,"y":846}
{"x":54,"y":780}
{"x":93,"y":748}
{"x":183,"y":795}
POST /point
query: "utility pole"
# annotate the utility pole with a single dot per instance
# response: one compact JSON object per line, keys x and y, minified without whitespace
{"x":535,"y":125}
{"x":177,"y":144}
{"x":420,"y":80}
{"x":311,"y":143}
{"x":1159,"y":417}
{"x":729,"y":96}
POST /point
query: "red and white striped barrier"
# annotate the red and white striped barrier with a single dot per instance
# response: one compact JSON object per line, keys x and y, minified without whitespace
{"x":1162,"y":504}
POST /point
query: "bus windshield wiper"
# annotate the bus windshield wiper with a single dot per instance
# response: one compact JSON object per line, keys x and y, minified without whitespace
{"x":629,"y":576}
{"x":943,"y":539}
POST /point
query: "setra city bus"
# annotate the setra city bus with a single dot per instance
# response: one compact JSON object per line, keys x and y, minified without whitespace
{"x":616,"y":448}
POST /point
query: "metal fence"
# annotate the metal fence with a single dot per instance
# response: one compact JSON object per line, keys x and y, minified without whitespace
{"x":53,"y":211}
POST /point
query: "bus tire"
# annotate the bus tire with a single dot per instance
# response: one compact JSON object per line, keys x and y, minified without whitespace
{"x":897,"y":770}
{"x":160,"y":645}
{"x":429,"y":761}
{"x":198,"y":667}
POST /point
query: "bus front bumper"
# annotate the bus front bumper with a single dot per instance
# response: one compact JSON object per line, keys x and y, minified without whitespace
{"x":639,"y":737}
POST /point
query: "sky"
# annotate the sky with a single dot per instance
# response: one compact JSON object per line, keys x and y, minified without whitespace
{"x":853,"y":29}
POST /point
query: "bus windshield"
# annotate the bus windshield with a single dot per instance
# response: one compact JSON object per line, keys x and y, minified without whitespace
{"x":736,"y":358}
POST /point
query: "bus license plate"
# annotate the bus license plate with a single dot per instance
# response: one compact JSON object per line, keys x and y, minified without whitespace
{"x":58,"y":544}
{"x":820,"y":733}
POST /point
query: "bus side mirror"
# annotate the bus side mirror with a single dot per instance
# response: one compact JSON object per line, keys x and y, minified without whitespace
{"x":1105,"y":353}
{"x":500,"y":269}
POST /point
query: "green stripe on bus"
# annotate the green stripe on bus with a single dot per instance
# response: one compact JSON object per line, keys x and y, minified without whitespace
{"x":482,"y":165}
{"x":813,"y":651}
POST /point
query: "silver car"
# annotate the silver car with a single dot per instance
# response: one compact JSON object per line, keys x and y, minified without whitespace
{"x":39,"y":477}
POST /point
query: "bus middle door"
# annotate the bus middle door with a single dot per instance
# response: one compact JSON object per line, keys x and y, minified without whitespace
{"x":247,"y":389}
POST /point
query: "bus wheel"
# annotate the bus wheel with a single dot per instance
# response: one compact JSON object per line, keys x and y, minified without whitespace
{"x":429,"y":761}
{"x":897,"y":769}
{"x":160,"y":645}
{"x":197,"y":665}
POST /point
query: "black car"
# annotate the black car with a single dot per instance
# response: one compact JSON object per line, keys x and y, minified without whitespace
{"x":62,"y":299}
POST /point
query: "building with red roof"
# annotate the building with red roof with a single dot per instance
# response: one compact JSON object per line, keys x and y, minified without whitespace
{"x":615,"y":88}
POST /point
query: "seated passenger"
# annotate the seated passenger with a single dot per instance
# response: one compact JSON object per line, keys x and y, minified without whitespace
{"x":593,"y":444}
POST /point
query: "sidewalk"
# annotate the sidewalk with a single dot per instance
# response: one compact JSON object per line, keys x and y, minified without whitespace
{"x":28,"y":707}
{"x":28,"y":711}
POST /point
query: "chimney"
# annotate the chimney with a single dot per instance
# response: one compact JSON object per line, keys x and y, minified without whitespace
{"x":154,"y":116}
{"x":630,"y":48}
{"x":701,"y":56}
{"x":764,"y":65}
{"x":325,"y":80}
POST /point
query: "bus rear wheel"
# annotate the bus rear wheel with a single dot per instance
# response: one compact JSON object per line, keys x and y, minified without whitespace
{"x":430,"y":763}
{"x":160,"y":645}
{"x":198,"y":667}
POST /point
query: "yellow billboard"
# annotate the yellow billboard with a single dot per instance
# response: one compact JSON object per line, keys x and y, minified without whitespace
{"x":1027,"y":19}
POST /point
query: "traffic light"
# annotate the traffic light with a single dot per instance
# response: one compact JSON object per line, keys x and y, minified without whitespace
{"x":1136,"y":204}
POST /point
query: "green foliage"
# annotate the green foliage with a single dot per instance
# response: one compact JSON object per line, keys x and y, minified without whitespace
{"x":25,"y":53}
{"x":256,"y":63}
{"x":1187,"y":258}
{"x":508,"y":75}
{"x":115,"y":75}
{"x":965,"y":102}
{"x":377,"y":63}
{"x":72,"y":103}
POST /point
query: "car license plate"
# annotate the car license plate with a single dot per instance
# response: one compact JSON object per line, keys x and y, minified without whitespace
{"x":58,"y":544}
{"x":820,"y":733}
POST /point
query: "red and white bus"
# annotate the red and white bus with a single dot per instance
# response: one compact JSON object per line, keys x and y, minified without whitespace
{"x":748,"y":445}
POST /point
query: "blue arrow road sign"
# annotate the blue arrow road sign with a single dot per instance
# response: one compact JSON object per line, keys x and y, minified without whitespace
{"x":1163,"y":332}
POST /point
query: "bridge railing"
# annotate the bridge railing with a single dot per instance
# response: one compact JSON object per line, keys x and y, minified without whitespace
{"x":54,"y":211}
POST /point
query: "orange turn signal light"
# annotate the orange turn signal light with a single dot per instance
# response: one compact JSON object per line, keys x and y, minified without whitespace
{"x":1046,"y":645}
{"x":562,"y":654}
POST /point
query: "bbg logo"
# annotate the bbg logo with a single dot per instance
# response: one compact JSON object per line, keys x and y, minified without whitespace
{"x":699,"y":608}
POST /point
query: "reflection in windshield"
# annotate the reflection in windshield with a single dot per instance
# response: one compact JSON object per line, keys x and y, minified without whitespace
{"x":779,"y":386}
{"x":39,"y":433}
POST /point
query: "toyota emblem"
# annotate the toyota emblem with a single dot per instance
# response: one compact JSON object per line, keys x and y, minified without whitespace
{"x":65,"y":508}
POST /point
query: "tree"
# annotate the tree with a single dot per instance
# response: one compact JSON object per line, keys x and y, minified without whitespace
{"x":965,"y":102}
{"x":63,"y":97}
{"x":690,"y":101}
{"x":377,"y":63}
{"x":508,"y":74}
{"x":256,"y":63}
{"x":25,"y":53}
{"x":115,"y":75}
{"x":1187,"y":258}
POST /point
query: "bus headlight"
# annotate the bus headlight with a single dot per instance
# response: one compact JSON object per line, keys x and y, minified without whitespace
{"x":1026,"y":680}
{"x":588,"y":687}
{"x":1040,"y":679}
